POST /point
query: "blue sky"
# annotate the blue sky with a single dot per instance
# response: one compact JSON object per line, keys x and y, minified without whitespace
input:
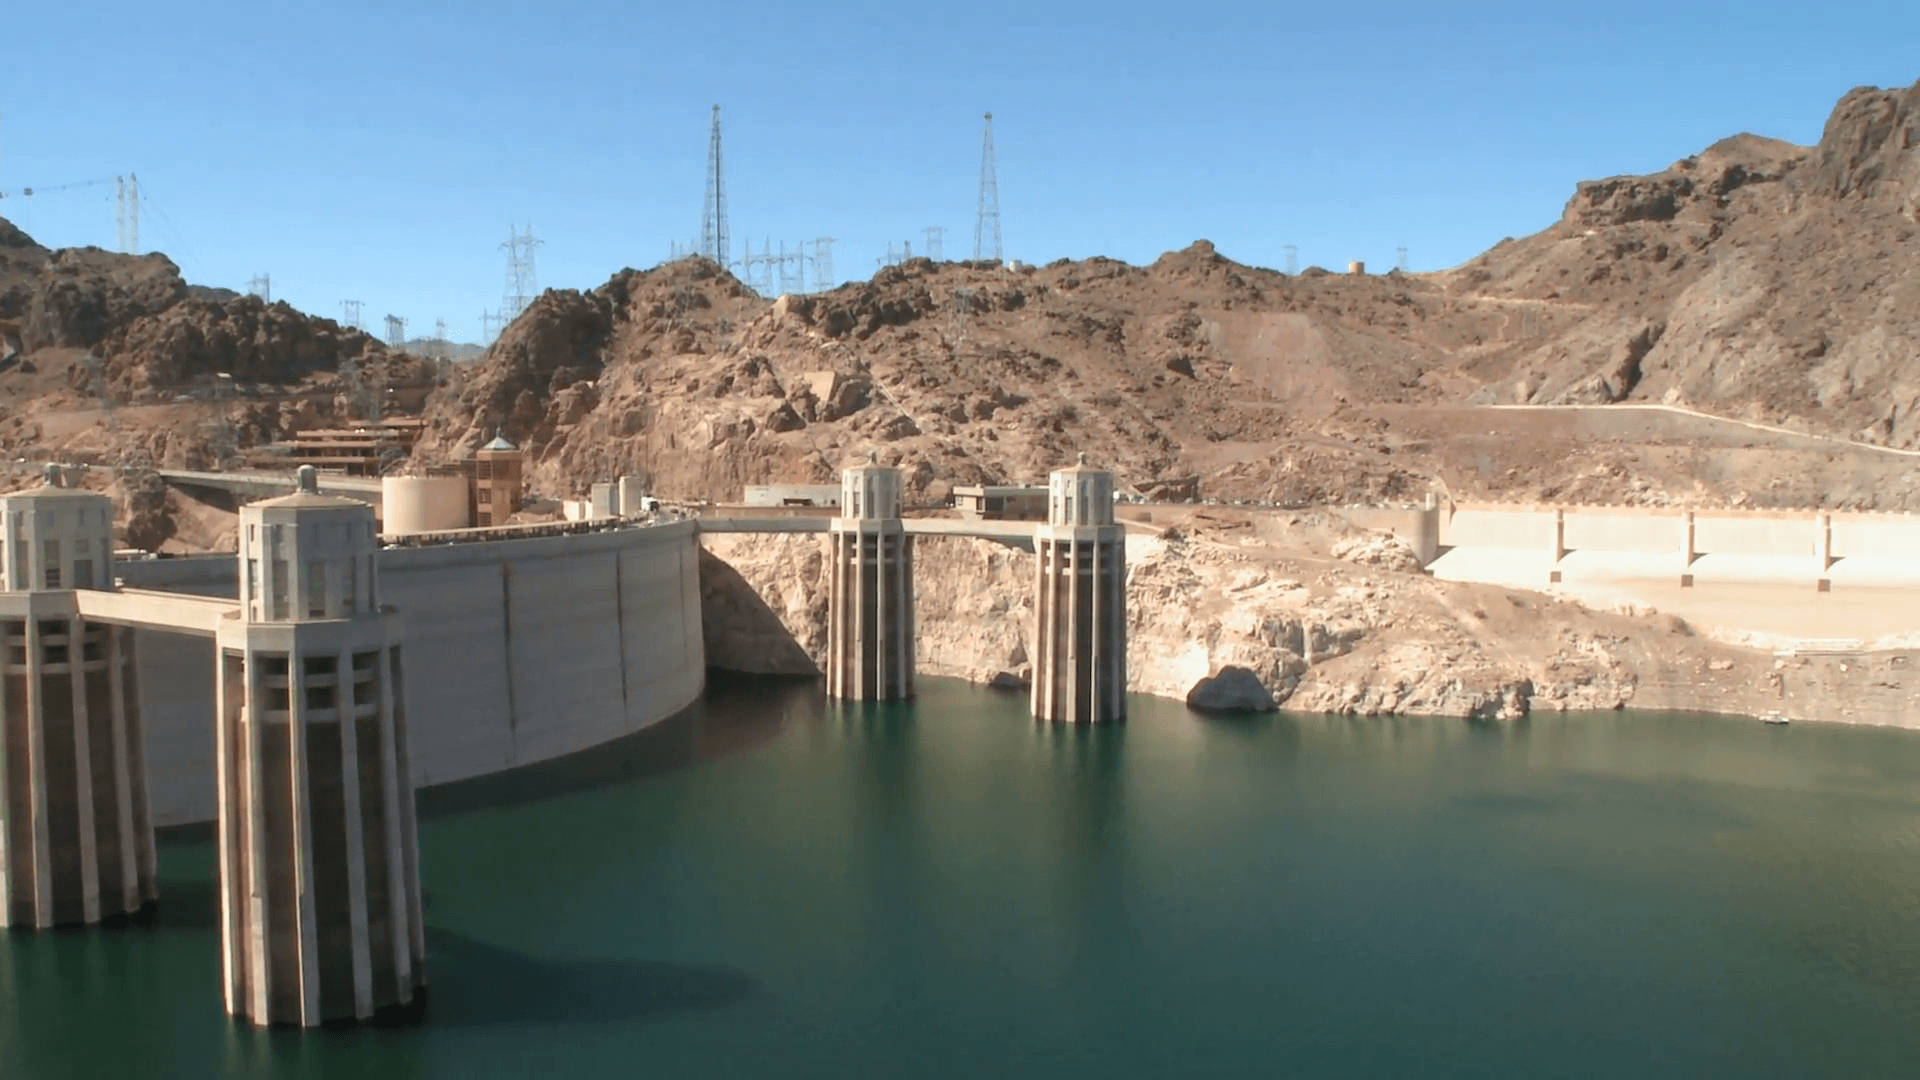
{"x":352,"y":152}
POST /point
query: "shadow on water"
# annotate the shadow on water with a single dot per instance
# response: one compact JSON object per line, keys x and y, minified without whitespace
{"x":476,"y":983}
{"x":736,"y":714}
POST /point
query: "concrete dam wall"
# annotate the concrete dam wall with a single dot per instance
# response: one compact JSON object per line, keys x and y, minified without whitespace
{"x":516,"y":651}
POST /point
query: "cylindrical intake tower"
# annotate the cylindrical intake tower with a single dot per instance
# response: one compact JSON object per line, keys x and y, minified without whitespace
{"x":319,"y":870}
{"x":870,"y":607}
{"x":1080,"y":612}
{"x":76,"y":831}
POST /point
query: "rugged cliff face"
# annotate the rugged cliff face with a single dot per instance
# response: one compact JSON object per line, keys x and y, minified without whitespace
{"x":1757,"y":279}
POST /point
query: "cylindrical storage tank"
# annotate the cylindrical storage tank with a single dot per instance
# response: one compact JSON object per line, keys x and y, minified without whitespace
{"x":1356,"y":267}
{"x":417,"y":504}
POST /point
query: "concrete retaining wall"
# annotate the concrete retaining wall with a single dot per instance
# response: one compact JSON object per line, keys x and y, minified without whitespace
{"x":1768,"y":539}
{"x":516,"y":651}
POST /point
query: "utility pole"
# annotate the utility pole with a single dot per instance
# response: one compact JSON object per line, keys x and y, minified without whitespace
{"x":986,"y":227}
{"x":522,"y":286}
{"x":823,"y":278}
{"x":126,"y":202}
{"x":713,"y":210}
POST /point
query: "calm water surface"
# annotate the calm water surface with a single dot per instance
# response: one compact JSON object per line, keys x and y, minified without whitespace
{"x":770,"y":886}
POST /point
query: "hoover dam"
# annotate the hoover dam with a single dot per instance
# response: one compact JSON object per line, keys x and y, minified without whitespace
{"x":518,"y":651}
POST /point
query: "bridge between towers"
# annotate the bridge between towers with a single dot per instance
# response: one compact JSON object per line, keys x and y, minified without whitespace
{"x":1080,"y":631}
{"x":1014,"y":534}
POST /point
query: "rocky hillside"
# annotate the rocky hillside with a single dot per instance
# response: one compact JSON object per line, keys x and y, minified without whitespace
{"x":82,"y":325}
{"x":1757,"y":280}
{"x":154,"y":332}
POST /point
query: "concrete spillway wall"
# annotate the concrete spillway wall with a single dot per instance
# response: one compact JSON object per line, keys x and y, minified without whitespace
{"x":1518,"y":544}
{"x":516,"y":651}
{"x":1662,"y":530}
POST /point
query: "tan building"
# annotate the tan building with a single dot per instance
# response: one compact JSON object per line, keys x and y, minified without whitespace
{"x":497,"y":482}
{"x":1001,"y":503}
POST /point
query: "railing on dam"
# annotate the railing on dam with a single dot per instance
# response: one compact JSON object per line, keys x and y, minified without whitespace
{"x":152,"y":609}
{"x":1018,"y":534}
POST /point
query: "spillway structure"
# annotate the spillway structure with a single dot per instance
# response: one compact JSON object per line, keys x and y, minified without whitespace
{"x":320,"y":916}
{"x":870,"y":604}
{"x":1080,"y":589}
{"x":76,"y":830}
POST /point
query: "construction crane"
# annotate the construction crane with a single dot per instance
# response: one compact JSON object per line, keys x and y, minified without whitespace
{"x":126,"y":203}
{"x":30,"y":192}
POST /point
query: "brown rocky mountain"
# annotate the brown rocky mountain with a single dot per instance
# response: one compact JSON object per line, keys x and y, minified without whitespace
{"x":1756,"y":280}
{"x":78,"y":325}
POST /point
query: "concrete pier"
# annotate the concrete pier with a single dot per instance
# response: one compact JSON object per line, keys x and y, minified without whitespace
{"x":870,"y":605}
{"x":1080,"y":632}
{"x":320,"y":918}
{"x":76,"y":831}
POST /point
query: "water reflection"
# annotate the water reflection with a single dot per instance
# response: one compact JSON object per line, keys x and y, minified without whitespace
{"x":475,"y":982}
{"x":736,"y":715}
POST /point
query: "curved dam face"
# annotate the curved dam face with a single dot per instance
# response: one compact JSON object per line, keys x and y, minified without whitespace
{"x":517,"y":651}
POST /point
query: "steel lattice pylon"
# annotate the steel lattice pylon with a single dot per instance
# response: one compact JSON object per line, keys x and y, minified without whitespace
{"x":986,"y":228}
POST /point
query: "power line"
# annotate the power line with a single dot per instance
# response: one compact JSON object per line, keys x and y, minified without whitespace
{"x":986,"y":227}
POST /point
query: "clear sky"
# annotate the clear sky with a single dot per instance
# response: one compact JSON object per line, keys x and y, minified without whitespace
{"x":382,"y":151}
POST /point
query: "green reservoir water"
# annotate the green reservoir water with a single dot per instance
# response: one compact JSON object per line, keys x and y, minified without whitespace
{"x":772,"y":887}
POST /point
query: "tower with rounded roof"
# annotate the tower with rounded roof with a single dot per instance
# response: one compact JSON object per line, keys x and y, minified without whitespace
{"x":1080,"y":616}
{"x":320,"y":917}
{"x":76,"y":829}
{"x":498,"y":480}
{"x":870,"y":600}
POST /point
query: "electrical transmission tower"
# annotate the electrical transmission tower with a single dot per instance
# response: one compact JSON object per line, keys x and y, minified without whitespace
{"x":936,"y":234}
{"x":490,"y":326}
{"x":442,"y":346}
{"x":986,"y":228}
{"x":396,"y":331}
{"x":713,"y":211}
{"x":521,"y":284}
{"x":261,"y":285}
{"x":350,"y":314}
{"x":1293,"y":260}
{"x":1400,"y":259}
{"x":823,"y":278}
{"x":127,"y":212}
{"x":793,"y":271}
